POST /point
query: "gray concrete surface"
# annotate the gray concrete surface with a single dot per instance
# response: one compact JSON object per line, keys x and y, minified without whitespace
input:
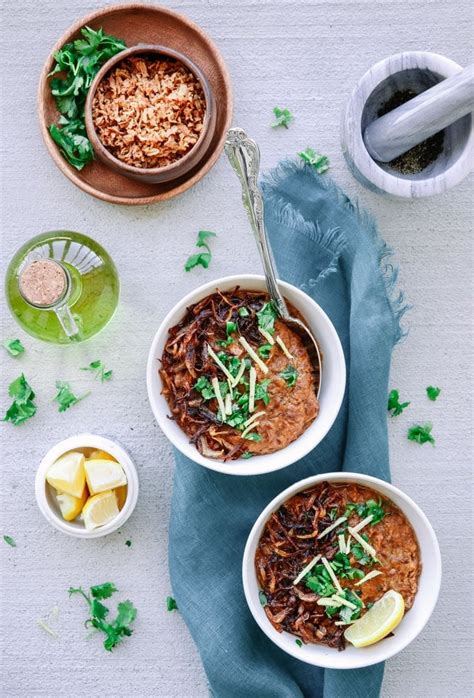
{"x":307,"y":56}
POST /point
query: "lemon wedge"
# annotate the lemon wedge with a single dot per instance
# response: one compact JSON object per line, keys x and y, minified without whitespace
{"x":102,"y":475}
{"x":71,"y":506}
{"x":67,"y":474}
{"x":121,"y":493}
{"x":99,"y":510}
{"x":101,"y":455}
{"x":378,"y":622}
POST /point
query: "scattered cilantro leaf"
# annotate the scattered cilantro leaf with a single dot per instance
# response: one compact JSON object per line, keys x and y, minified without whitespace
{"x":9,"y":541}
{"x":171,"y":604}
{"x":261,"y":391}
{"x":394,"y":406}
{"x":23,"y":406}
{"x":98,"y":368}
{"x":362,"y":557}
{"x":299,"y":643}
{"x":253,"y":436}
{"x":202,"y":258}
{"x":421,"y":433}
{"x":264,"y":350}
{"x":80,"y":60}
{"x":319,"y":162}
{"x":14,"y":347}
{"x":128,"y":543}
{"x":266,"y":317}
{"x":290,"y":375}
{"x":116,"y":630}
{"x":262,"y":598}
{"x":243,"y":312}
{"x":283,"y":117}
{"x":65,"y":397}
{"x":432,"y":392}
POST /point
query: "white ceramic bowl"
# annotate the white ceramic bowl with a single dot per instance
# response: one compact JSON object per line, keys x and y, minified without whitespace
{"x":412,"y":623}
{"x":47,"y":501}
{"x":332,"y":385}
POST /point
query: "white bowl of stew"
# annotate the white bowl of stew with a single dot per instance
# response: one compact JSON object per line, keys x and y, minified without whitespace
{"x":404,"y":535}
{"x":311,"y":431}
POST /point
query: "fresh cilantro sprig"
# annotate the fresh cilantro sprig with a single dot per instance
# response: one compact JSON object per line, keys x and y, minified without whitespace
{"x":421,"y":433}
{"x":283,"y":117}
{"x":171,"y":604}
{"x":9,"y":541}
{"x":23,"y":406}
{"x":266,"y":317}
{"x":14,"y":347}
{"x":202,"y":259}
{"x":290,"y":375}
{"x":115,"y":630}
{"x":65,"y":397}
{"x":98,"y":368}
{"x":80,"y":60}
{"x":432,"y":392}
{"x":318,"y":162}
{"x":394,"y":406}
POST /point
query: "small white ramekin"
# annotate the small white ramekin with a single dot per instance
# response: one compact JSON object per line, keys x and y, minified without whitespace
{"x":332,"y":385}
{"x":412,"y":623}
{"x":45,"y":498}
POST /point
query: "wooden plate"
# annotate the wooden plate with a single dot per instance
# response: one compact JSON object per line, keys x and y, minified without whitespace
{"x":138,"y":23}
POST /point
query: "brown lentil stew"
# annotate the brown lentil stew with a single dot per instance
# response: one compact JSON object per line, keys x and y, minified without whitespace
{"x":290,"y":542}
{"x":149,"y":113}
{"x":285,"y":402}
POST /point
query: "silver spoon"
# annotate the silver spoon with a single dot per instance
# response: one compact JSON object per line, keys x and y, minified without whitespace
{"x":244,"y":156}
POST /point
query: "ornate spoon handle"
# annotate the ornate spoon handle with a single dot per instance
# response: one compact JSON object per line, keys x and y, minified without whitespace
{"x":244,"y":156}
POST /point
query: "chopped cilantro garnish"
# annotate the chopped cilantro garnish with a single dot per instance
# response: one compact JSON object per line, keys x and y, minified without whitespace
{"x":253,"y":436}
{"x":290,"y":375}
{"x":23,"y":406}
{"x":362,"y":557}
{"x":98,"y":368}
{"x":262,"y":598}
{"x":14,"y":347}
{"x":65,"y":397}
{"x":171,"y":604}
{"x":9,"y":541}
{"x":319,"y":581}
{"x":261,"y":391}
{"x":333,"y":514}
{"x":319,"y":162}
{"x":203,"y":385}
{"x":231,"y":327}
{"x":266,"y":317}
{"x":394,"y":406}
{"x":432,"y":392}
{"x":370,"y":507}
{"x":283,"y":117}
{"x":247,"y":455}
{"x":299,"y":643}
{"x":421,"y":433}
{"x":202,"y":258}
{"x":264,"y":350}
{"x":116,"y":630}
{"x":243,"y":312}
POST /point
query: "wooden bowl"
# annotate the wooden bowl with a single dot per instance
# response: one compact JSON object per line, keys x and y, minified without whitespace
{"x":138,"y":23}
{"x":153,"y":174}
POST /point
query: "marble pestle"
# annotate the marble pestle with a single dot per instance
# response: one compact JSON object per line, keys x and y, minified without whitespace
{"x":411,"y":123}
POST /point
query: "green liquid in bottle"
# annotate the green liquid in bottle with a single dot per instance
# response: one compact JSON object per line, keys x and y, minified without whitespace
{"x":92,"y":288}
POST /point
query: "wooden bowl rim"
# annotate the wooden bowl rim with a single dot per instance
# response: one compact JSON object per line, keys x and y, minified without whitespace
{"x":51,"y":146}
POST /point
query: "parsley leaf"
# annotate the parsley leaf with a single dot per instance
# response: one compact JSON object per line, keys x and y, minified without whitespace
{"x":243,"y":312}
{"x":370,"y":507}
{"x":9,"y":541}
{"x":290,"y":374}
{"x":23,"y":406}
{"x":247,"y":455}
{"x":264,"y":350}
{"x":266,"y":317}
{"x":394,"y":406}
{"x":432,"y":392}
{"x":116,"y":630}
{"x":283,"y":117}
{"x":171,"y":604}
{"x":80,"y":60}
{"x":261,"y":391}
{"x":98,"y":368}
{"x":299,"y":643}
{"x":14,"y":347}
{"x":128,"y":543}
{"x":319,"y":162}
{"x":362,"y":557}
{"x":65,"y":397}
{"x":253,"y":436}
{"x":202,"y":258}
{"x":421,"y":434}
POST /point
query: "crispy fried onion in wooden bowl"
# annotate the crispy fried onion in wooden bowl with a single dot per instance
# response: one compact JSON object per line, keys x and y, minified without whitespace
{"x":233,"y":387}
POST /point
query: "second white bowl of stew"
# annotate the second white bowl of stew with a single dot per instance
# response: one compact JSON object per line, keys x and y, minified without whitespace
{"x":233,"y":387}
{"x":342,"y":570}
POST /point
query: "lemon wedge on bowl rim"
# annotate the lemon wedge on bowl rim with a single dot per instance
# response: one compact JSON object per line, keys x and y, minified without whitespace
{"x":378,"y":622}
{"x":100,"y":509}
{"x":70,"y":506}
{"x":67,"y":474}
{"x":103,"y":475}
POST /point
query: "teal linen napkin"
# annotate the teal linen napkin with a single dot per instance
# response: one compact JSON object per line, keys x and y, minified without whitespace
{"x":326,"y":246}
